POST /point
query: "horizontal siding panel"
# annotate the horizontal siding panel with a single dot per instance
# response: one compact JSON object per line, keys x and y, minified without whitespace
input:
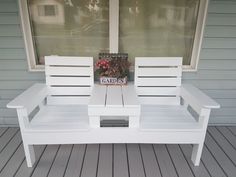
{"x":220,"y":31}
{"x":8,"y":7}
{"x":11,"y":42}
{"x":21,"y":75}
{"x":220,"y":94}
{"x":17,"y":84}
{"x":218,"y":64}
{"x":219,"y":54}
{"x":15,"y":54}
{"x":9,"y":19}
{"x":3,"y":103}
{"x":225,"y":120}
{"x":224,"y":103}
{"x":10,"y":30}
{"x":13,"y":65}
{"x":214,"y":84}
{"x":8,"y":112}
{"x":9,"y":94}
{"x":224,"y":112}
{"x":221,"y":19}
{"x":211,"y":74}
{"x":219,"y":43}
{"x":9,"y":121}
{"x":222,"y":7}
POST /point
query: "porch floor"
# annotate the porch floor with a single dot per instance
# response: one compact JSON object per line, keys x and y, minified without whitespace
{"x":120,"y":160}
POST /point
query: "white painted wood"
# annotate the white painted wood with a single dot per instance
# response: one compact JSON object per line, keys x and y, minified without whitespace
{"x":29,"y":154}
{"x":55,"y":60}
{"x":159,"y":100}
{"x":114,"y":97}
{"x":80,"y":81}
{"x":129,"y":94}
{"x":70,"y":90}
{"x":158,"y":82}
{"x":154,"y":71}
{"x":68,"y":71}
{"x":98,"y":97}
{"x":158,"y":61}
{"x":67,"y":100}
{"x":157,"y":91}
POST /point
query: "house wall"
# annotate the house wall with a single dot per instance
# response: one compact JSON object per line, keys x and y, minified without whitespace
{"x":216,"y":74}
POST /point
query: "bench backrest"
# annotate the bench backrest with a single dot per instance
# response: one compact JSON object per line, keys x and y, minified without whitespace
{"x":158,"y":79}
{"x":69,"y":79}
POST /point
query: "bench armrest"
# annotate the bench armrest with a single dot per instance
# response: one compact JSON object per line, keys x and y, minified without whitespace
{"x":30,"y":98}
{"x":196,"y":97}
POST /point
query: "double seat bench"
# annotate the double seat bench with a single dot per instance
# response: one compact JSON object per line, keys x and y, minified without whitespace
{"x":69,"y":108}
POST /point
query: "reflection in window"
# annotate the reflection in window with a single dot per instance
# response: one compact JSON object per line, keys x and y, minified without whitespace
{"x":69,"y":27}
{"x":158,"y":28}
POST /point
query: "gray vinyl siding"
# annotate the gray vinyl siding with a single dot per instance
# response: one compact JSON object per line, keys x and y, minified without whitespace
{"x":216,"y":74}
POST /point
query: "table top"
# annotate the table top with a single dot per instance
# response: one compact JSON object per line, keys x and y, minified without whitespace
{"x":114,"y":96}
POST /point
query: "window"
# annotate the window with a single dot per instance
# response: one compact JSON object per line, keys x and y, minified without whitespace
{"x":47,"y":10}
{"x":136,"y":27}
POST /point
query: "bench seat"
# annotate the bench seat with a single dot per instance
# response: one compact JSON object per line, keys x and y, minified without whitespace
{"x":167,"y":117}
{"x":60,"y":118}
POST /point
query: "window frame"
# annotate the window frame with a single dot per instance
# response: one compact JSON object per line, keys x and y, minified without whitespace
{"x":113,"y":34}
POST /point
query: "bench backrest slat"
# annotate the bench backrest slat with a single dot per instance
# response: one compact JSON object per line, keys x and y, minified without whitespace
{"x":69,"y":79}
{"x":158,"y":79}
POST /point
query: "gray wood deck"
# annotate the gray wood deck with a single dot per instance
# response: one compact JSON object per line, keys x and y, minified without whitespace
{"x":120,"y":160}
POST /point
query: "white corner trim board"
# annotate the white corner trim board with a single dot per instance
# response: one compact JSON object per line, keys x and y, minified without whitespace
{"x":70,"y":107}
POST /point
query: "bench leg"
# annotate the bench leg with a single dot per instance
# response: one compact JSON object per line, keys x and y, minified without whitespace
{"x":196,"y":153}
{"x":133,"y":121}
{"x":29,"y":154}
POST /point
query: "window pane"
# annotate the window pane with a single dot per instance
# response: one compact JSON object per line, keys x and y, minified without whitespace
{"x":69,"y":27}
{"x":158,"y":28}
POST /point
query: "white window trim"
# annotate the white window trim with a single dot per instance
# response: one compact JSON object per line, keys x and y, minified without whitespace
{"x":113,"y":33}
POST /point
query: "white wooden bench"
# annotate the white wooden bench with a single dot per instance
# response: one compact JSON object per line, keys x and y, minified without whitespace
{"x":62,"y":104}
{"x":61,"y":107}
{"x":168,"y":107}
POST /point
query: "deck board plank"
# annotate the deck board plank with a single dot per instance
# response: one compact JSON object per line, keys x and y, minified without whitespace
{"x":136,"y":167}
{"x":120,"y":161}
{"x":2,"y":130}
{"x":59,"y":166}
{"x":179,"y":161}
{"x":23,"y":170}
{"x":132,"y":160}
{"x":233,"y":130}
{"x":105,"y":161}
{"x":9,"y":150}
{"x":225,"y":163}
{"x":6,"y":137}
{"x":150,"y":163}
{"x":166,"y":165}
{"x":199,"y":171}
{"x":223,"y":144}
{"x":76,"y":161}
{"x":228,"y":135}
{"x":43,"y":167}
{"x":90,"y":162}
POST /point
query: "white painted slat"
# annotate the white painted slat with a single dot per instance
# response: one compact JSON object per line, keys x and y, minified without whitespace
{"x":114,"y":96}
{"x":158,"y":61}
{"x":160,"y":100}
{"x":158,"y":90}
{"x":68,"y":71}
{"x":158,"y":82}
{"x":68,"y":60}
{"x":67,"y":100}
{"x":70,"y":90}
{"x":69,"y":81}
{"x":129,"y":96}
{"x":98,"y":96}
{"x":167,"y":71}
